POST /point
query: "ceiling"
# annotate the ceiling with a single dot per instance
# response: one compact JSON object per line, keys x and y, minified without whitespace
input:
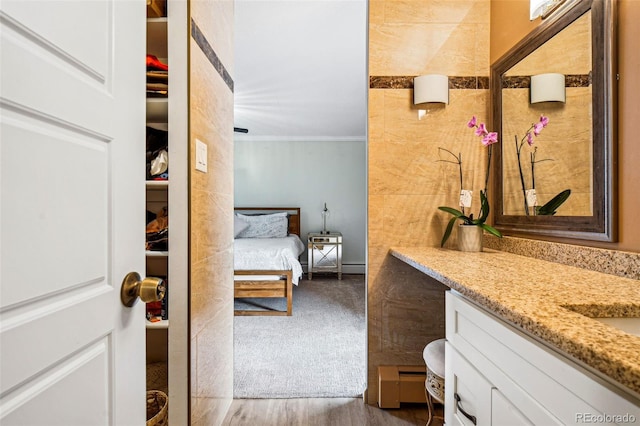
{"x":300,"y":70}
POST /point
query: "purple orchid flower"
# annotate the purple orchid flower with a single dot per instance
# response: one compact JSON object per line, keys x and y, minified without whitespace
{"x":544,"y":120}
{"x":490,"y":138}
{"x":481,"y":130}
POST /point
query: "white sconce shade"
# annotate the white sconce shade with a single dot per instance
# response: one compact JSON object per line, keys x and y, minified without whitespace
{"x":548,"y":88}
{"x":431,"y":88}
{"x":542,"y":7}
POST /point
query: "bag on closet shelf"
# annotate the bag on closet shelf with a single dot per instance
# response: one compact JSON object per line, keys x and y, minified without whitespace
{"x":160,"y":163}
{"x":158,"y":241}
{"x":157,"y":153}
{"x":158,"y":232}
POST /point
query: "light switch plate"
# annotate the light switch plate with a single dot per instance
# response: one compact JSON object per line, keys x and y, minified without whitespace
{"x":201,"y":156}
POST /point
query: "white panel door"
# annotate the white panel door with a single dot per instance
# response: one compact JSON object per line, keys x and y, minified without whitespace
{"x":72,"y":87}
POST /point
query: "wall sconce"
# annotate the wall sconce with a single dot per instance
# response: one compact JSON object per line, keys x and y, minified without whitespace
{"x":548,"y":88}
{"x":430,"y":88}
{"x":542,"y":7}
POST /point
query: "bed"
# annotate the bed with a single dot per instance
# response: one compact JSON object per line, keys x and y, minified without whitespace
{"x":266,"y":261}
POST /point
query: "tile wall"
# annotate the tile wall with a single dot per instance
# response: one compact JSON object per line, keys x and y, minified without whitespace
{"x":211,"y":225}
{"x":406,"y":180}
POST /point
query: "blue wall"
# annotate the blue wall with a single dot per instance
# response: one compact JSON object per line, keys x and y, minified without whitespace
{"x":307,"y":174}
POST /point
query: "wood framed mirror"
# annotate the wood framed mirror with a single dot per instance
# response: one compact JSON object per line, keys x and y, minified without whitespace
{"x":576,"y":150}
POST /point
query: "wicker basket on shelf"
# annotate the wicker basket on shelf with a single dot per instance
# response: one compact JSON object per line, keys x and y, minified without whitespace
{"x":157,"y":408}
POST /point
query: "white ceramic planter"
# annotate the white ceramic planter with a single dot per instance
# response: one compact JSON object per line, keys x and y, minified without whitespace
{"x":469,"y":238}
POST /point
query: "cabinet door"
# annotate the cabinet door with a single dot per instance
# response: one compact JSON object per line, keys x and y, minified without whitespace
{"x":504,"y":412}
{"x":469,"y":391}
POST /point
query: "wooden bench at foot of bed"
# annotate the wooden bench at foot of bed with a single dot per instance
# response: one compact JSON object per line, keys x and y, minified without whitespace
{"x":255,"y":285}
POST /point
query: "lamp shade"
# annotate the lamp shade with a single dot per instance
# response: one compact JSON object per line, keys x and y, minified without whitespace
{"x":431,"y":88}
{"x":548,"y":88}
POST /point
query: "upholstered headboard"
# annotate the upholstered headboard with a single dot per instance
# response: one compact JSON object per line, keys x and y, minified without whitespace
{"x":293,"y":214}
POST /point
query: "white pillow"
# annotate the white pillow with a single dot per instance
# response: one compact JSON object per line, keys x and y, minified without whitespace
{"x":239,"y":225}
{"x":274,"y":225}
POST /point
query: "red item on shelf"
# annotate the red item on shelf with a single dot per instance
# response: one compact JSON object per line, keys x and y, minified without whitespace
{"x":154,"y":309}
{"x":153,"y":63}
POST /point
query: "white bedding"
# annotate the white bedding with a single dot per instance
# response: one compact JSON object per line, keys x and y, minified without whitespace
{"x":269,"y":254}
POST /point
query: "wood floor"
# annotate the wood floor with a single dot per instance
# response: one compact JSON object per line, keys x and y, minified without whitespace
{"x":325,"y":411}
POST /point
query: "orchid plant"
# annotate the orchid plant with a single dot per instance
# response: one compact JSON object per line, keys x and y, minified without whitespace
{"x":488,"y":139}
{"x":528,"y":194}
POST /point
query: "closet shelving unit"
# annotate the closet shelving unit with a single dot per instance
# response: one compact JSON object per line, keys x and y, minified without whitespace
{"x":168,"y":39}
{"x":157,"y":195}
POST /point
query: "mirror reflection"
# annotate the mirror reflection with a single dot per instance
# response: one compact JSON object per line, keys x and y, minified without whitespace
{"x":573,"y":145}
{"x":547,"y":155}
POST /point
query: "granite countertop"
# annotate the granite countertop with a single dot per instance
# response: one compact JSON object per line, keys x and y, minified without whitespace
{"x":544,"y":299}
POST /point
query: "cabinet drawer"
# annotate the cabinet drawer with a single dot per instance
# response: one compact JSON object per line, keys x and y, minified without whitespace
{"x":325,"y":240}
{"x":479,"y":397}
{"x":472,"y":388}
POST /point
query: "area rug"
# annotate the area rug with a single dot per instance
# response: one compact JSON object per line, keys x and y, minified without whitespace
{"x":318,"y":352}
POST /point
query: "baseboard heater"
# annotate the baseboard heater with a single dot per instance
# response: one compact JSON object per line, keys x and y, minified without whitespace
{"x":401,"y":383}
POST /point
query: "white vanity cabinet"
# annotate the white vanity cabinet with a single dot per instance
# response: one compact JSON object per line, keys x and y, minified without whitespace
{"x":502,"y":376}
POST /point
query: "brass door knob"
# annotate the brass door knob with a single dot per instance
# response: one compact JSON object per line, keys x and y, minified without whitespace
{"x":149,"y":289}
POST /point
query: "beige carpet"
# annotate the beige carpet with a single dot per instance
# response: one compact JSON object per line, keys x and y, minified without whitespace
{"x":317,"y":352}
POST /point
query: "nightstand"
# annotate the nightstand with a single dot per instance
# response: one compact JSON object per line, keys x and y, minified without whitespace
{"x":324,"y":253}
